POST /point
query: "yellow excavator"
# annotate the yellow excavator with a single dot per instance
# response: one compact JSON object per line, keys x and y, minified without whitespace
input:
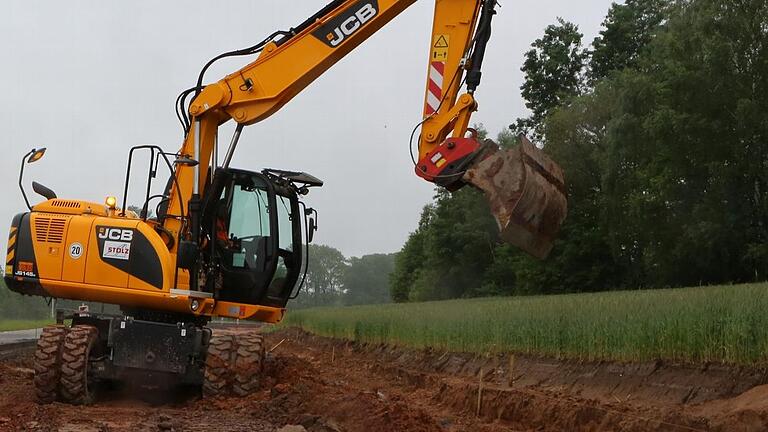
{"x":227,"y":242}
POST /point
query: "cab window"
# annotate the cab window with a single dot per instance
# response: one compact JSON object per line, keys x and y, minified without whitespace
{"x":250,"y":212}
{"x":249,"y":226}
{"x":284,"y":223}
{"x":287,"y":260}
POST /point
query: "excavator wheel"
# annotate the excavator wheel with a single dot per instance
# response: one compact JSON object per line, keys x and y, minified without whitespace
{"x":218,"y":365}
{"x":75,"y":354}
{"x":249,"y":364}
{"x":47,"y":363}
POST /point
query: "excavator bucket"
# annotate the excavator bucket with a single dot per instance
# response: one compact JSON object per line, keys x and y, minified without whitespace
{"x":526,"y":192}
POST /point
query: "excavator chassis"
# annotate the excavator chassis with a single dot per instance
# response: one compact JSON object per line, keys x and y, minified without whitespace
{"x":147,"y":355}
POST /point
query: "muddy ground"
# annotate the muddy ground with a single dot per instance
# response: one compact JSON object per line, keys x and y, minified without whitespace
{"x":323,"y":385}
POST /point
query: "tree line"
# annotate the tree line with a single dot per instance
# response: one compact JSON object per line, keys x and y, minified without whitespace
{"x":16,"y":306}
{"x":661,"y":128}
{"x":335,"y":280}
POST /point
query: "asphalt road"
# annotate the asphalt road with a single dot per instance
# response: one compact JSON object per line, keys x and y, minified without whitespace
{"x":10,"y":337}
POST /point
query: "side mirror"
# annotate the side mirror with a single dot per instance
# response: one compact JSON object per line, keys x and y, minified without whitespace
{"x":311,"y":231}
{"x":35,"y":155}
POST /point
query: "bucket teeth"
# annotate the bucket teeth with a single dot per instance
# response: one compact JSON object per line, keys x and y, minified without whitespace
{"x":526,"y":193}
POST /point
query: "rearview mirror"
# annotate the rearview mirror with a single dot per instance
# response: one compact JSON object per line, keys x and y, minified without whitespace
{"x":312,"y":229}
{"x":36,"y":155}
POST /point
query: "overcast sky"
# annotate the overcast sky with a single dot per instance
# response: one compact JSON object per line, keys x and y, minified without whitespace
{"x":90,"y":79}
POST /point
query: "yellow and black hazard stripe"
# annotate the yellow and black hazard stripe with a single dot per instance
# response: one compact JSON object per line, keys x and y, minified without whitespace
{"x":11,"y":254}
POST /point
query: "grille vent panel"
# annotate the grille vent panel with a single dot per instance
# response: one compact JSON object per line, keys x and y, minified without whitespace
{"x":65,"y":204}
{"x":50,"y":229}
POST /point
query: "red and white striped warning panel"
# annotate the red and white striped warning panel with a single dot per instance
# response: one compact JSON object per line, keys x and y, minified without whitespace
{"x":434,"y":87}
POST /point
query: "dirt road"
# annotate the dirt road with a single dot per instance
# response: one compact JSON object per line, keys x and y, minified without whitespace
{"x":322,"y":385}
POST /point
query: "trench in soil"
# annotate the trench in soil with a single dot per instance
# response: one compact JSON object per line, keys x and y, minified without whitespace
{"x":332,"y":385}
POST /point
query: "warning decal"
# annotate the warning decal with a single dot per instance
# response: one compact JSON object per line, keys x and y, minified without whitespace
{"x":440,"y":48}
{"x":434,"y":87}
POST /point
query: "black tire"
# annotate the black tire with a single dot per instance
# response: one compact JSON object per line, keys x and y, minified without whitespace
{"x":79,"y":342}
{"x":218,"y":365}
{"x":249,"y":364}
{"x":47,"y":363}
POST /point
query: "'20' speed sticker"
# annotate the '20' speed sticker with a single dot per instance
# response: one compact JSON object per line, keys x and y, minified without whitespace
{"x":75,"y":250}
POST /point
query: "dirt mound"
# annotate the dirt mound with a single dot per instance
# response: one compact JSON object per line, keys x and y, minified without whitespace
{"x":747,"y":412}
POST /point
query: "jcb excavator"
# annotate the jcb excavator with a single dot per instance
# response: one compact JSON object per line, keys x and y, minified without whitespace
{"x":231,"y":243}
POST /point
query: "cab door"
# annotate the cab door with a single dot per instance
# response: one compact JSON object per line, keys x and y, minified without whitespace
{"x":242,"y":228}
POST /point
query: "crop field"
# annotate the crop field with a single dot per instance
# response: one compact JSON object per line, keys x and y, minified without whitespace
{"x":727,"y":324}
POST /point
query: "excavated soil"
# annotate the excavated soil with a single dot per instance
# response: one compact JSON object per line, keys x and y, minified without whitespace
{"x":324,"y":385}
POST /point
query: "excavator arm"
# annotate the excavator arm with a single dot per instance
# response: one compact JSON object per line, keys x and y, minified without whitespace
{"x":290,"y":61}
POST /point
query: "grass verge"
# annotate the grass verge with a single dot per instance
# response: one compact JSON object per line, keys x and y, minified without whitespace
{"x":726,"y":324}
{"x":10,"y":325}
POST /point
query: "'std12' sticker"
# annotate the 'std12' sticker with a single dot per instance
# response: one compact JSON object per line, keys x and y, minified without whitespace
{"x":115,"y":243}
{"x":117,"y":250}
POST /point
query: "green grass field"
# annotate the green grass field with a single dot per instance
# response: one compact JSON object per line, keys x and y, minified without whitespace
{"x":726,"y":324}
{"x":8,"y":325}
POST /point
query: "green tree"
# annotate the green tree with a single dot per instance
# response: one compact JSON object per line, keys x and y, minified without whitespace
{"x":366,"y":279}
{"x":410,"y":262}
{"x":553,"y":71}
{"x":324,"y":283}
{"x":17,"y":306}
{"x":686,"y":179}
{"x":627,"y":30}
{"x":581,"y":259}
{"x":449,"y":252}
{"x":463,"y":237}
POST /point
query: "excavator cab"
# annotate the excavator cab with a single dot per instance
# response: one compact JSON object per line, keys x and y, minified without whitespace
{"x":255,"y":242}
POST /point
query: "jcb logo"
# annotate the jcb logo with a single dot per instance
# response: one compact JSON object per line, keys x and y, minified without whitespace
{"x":335,"y":31}
{"x":119,"y":234}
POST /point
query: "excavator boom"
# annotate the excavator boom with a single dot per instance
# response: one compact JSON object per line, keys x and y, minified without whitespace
{"x":289,"y":61}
